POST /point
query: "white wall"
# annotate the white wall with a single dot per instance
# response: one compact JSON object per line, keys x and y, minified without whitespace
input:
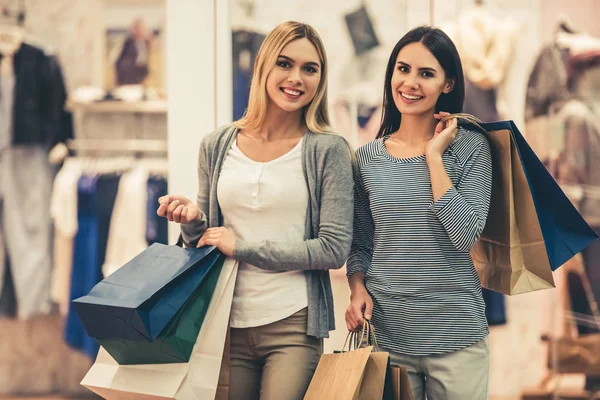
{"x":199,"y":97}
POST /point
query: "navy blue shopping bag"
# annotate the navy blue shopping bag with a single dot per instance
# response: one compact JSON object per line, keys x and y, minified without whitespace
{"x":139,"y":300}
{"x":565,"y":231}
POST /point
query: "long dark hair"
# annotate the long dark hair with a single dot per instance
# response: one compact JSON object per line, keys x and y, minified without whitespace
{"x":442,"y":48}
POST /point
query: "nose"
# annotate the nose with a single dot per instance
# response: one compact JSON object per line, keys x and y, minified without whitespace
{"x":411,"y":82}
{"x":294,"y":76}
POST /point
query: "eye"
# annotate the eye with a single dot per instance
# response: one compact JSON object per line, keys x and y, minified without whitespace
{"x":427,"y":74}
{"x":403,"y":69}
{"x":283,"y":64}
{"x":310,"y":70}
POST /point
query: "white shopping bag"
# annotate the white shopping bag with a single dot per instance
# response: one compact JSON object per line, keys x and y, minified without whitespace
{"x":196,"y":379}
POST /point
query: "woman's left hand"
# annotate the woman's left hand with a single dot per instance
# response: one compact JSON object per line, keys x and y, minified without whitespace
{"x":221,"y":237}
{"x":445,"y":133}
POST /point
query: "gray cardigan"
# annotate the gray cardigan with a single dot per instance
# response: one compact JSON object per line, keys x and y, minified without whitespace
{"x":327,"y":166}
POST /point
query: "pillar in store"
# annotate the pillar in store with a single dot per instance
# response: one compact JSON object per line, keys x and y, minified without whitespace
{"x":199,"y":85}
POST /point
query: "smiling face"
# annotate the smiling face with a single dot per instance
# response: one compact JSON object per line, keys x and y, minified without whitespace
{"x":418,"y":80}
{"x":293,"y":82}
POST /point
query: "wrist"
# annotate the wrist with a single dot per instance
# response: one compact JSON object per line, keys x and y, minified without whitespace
{"x":433,"y":158}
{"x":433,"y":155}
{"x":357,"y":283}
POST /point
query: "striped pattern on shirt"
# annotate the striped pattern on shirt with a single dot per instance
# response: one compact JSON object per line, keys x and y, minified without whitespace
{"x":415,"y":253}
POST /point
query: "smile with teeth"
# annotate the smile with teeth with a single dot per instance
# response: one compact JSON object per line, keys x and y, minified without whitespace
{"x":291,"y":92}
{"x":410,"y":97}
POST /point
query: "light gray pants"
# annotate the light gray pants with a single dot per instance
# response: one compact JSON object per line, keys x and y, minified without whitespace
{"x":25,"y":225}
{"x":460,"y":375}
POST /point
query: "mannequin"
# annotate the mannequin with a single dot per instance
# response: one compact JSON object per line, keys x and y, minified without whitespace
{"x":486,"y":44}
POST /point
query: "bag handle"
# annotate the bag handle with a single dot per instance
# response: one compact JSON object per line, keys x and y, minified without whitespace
{"x":366,"y":338}
{"x":470,"y":119}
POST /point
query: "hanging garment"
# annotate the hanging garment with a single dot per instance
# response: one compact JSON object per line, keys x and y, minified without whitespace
{"x":127,"y":235}
{"x":7,"y":84}
{"x":362,"y":32}
{"x":245,"y":47}
{"x":86,"y":272}
{"x":24,"y":213}
{"x":480,"y":102}
{"x":39,"y":99}
{"x":25,"y":225}
{"x":547,"y":83}
{"x":157,"y":228}
{"x":63,"y":208}
{"x":488,"y":46}
{"x":107,"y":186}
{"x":578,"y":145}
{"x":495,"y":311}
{"x":8,"y":301}
{"x":132,"y":65}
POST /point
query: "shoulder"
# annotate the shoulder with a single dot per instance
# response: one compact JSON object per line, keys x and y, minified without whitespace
{"x":217,"y":139}
{"x":325,"y":144}
{"x":38,"y":46}
{"x":326,"y":140}
{"x":29,"y":51}
{"x":469,"y":142}
{"x":368,"y":151}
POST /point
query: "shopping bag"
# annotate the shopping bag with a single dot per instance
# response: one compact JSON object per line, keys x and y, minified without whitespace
{"x":138,"y":300}
{"x":510,"y":255}
{"x":399,"y":384}
{"x":175,"y":343}
{"x":565,"y":231}
{"x":532,"y":227}
{"x":196,"y":379}
{"x":356,"y":373}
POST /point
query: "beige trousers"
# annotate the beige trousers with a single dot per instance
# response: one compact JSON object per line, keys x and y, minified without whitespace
{"x":460,"y":375}
{"x":274,"y":361}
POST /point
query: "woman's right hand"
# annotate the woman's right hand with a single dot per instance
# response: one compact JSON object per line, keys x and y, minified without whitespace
{"x":178,"y":209}
{"x":360,"y":302}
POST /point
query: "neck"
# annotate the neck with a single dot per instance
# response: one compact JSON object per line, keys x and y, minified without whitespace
{"x":416,"y":129}
{"x":280,"y":124}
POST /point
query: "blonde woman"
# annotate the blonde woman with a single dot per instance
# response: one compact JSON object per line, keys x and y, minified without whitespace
{"x":276,"y":193}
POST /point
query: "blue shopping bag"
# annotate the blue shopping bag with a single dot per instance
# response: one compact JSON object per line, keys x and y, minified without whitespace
{"x":565,"y":231}
{"x":139,"y":300}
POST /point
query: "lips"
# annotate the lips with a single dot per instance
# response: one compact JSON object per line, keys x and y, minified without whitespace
{"x":410,"y":96}
{"x":291,"y":93}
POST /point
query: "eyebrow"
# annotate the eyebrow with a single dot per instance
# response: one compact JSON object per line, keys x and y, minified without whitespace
{"x":315,"y":64}
{"x":420,"y":69}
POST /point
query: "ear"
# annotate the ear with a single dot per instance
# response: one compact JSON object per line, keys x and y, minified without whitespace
{"x":449,"y":86}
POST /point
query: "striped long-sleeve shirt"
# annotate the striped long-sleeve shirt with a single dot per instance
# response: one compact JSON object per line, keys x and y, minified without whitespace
{"x":415,"y":253}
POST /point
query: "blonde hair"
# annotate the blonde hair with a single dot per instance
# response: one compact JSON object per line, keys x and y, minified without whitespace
{"x":316,"y":114}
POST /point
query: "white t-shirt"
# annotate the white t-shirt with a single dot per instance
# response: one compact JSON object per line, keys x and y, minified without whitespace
{"x":265,"y":201}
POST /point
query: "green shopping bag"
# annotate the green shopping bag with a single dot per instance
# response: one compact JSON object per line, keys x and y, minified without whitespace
{"x":175,"y":343}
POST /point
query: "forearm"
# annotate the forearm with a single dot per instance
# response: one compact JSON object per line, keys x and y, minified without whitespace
{"x":357,"y":282}
{"x":440,"y":181}
{"x":323,"y":253}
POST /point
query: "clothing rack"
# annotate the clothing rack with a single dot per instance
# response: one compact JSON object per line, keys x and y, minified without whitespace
{"x":102,"y":146}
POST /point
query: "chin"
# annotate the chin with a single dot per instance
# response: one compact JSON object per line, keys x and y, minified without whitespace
{"x":414,"y":110}
{"x":290,"y":107}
